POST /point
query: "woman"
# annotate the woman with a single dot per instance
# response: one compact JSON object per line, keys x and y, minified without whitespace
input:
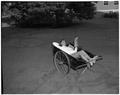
{"x":82,"y":54}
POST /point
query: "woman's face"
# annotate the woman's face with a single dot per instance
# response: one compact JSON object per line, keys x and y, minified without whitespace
{"x":63,"y":43}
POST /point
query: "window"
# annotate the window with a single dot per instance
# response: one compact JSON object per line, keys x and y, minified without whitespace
{"x":105,"y":2}
{"x":115,"y":2}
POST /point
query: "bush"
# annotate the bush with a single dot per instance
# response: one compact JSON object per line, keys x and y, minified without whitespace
{"x":32,"y":14}
{"x":111,"y":15}
{"x":83,"y":10}
{"x":49,"y":13}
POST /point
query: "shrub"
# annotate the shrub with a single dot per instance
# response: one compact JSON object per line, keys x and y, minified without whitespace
{"x":49,"y":13}
{"x":111,"y":15}
{"x":83,"y":10}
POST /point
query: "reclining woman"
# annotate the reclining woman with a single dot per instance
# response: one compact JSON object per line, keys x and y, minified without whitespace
{"x":73,"y":51}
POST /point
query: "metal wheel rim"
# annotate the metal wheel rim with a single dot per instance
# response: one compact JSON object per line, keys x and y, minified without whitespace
{"x":62,"y":62}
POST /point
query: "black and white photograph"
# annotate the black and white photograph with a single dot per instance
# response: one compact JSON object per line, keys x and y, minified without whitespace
{"x":60,"y":47}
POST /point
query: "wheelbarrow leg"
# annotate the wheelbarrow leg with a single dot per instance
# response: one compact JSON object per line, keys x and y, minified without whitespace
{"x":81,"y":71}
{"x":84,"y":70}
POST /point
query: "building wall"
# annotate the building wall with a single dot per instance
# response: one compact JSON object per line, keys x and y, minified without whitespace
{"x":110,"y":7}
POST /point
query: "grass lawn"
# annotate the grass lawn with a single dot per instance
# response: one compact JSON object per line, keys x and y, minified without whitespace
{"x":27,"y":60}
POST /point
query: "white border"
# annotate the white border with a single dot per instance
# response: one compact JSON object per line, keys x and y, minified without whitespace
{"x":56,"y":1}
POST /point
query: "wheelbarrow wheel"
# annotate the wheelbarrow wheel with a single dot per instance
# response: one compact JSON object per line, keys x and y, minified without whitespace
{"x":62,"y":62}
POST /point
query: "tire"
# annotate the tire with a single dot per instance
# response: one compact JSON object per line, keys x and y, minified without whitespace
{"x":62,"y":62}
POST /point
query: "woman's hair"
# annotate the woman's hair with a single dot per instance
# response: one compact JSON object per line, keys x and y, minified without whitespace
{"x":62,"y":42}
